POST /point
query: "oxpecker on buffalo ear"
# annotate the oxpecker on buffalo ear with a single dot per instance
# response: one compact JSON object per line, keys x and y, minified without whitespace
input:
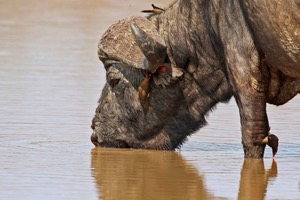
{"x":154,"y":51}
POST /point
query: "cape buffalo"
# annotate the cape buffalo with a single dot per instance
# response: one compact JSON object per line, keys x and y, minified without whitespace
{"x":162,"y":82}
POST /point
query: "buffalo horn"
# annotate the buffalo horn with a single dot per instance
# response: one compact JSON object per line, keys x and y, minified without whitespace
{"x":154,"y":51}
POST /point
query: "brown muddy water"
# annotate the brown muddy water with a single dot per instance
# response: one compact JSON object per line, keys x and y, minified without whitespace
{"x":50,"y":82}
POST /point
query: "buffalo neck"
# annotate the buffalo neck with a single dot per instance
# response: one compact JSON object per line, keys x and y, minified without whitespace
{"x":193,"y":45}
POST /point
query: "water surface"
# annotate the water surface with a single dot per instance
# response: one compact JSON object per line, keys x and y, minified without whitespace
{"x":50,"y":82}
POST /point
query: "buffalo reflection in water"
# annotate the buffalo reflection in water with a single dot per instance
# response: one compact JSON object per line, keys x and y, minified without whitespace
{"x":140,"y":174}
{"x":254,"y":179}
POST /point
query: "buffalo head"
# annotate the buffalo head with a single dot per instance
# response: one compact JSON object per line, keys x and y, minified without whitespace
{"x":122,"y":119}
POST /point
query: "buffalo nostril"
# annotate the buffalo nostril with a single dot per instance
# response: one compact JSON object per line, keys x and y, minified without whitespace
{"x":94,"y":139}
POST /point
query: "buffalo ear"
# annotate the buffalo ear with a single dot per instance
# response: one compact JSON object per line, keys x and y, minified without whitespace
{"x":154,"y":51}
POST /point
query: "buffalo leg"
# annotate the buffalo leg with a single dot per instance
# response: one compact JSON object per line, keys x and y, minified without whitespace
{"x":254,"y":120}
{"x":248,"y":76}
{"x":254,"y":123}
{"x":249,"y":79}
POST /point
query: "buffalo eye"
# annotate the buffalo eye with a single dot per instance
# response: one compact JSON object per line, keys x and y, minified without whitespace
{"x":113,"y":82}
{"x":113,"y":77}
